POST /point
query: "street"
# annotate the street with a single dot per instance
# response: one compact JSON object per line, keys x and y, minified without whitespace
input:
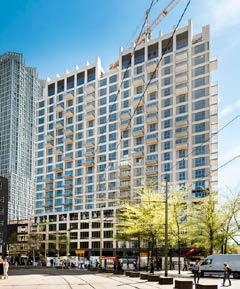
{"x":73,"y":279}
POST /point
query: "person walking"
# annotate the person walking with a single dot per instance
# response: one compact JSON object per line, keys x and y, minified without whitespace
{"x":196,"y":272}
{"x":1,"y":269}
{"x":226,"y":276}
{"x":5,"y":268}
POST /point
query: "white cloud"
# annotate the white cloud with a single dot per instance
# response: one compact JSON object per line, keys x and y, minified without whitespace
{"x":229,"y":109}
{"x":223,"y":13}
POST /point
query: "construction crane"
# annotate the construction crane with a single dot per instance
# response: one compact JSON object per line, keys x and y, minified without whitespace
{"x":146,"y":34}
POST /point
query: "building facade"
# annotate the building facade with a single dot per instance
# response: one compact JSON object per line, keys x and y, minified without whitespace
{"x":103,"y":135}
{"x":19,"y":88}
{"x":3,"y":215}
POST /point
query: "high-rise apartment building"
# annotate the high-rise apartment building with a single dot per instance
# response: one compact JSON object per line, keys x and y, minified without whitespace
{"x":19,"y":88}
{"x":89,"y":156}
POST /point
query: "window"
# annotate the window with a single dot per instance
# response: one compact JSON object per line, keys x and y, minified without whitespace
{"x":103,"y":82}
{"x":167,"y":59}
{"x":113,"y":78}
{"x":200,"y":93}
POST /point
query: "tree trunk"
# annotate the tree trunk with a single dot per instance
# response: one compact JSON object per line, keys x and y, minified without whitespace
{"x":179,"y":257}
{"x":139,"y":253}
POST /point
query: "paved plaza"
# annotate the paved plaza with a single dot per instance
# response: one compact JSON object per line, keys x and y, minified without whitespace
{"x":74,"y":279}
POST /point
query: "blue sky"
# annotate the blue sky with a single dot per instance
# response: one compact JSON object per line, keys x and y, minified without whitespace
{"x":56,"y":35}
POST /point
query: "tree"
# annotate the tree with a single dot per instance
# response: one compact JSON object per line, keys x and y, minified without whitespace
{"x":178,"y":203}
{"x":205,"y":223}
{"x":34,"y":242}
{"x":230,"y":213}
{"x":144,"y":220}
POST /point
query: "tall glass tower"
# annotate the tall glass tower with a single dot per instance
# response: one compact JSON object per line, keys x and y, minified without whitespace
{"x":19,"y":87}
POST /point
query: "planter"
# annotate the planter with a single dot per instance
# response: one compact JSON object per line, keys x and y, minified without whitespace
{"x":153,"y":278}
{"x":165,"y":280}
{"x":144,"y":276}
{"x":180,"y":284}
{"x":200,"y":286}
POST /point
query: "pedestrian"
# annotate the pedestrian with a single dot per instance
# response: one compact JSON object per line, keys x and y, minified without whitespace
{"x":1,"y":268}
{"x":196,"y":272}
{"x":127,"y":264}
{"x":226,"y":276}
{"x":5,"y":268}
{"x":52,"y":262}
{"x":185,"y":267}
{"x":152,"y":267}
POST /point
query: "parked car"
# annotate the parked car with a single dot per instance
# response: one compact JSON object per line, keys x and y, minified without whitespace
{"x":213,"y":264}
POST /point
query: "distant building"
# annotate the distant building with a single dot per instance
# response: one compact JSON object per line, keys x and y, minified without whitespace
{"x":89,"y":155}
{"x":19,"y":87}
{"x":18,"y":236}
{"x":3,"y":215}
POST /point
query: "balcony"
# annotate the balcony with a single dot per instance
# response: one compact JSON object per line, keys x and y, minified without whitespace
{"x":68,"y":175}
{"x":68,"y":157}
{"x":138,"y":100}
{"x":152,"y":138}
{"x":124,"y":186}
{"x":68,"y":139}
{"x":68,"y":185}
{"x":150,"y":171}
{"x":152,"y":159}
{"x":58,"y":152}
{"x":125,"y":165}
{"x":181,"y":122}
{"x":138,"y":131}
{"x":89,"y":152}
{"x":89,"y":115}
{"x":68,"y":193}
{"x":48,"y":179}
{"x":138,"y":152}
{"x":90,"y":143}
{"x":60,"y":124}
{"x":181,"y":143}
{"x":50,"y":136}
{"x":124,"y":124}
{"x":49,"y":187}
{"x":152,"y":107}
{"x":90,"y":97}
{"x":49,"y":144}
{"x":181,"y":57}
{"x":181,"y":68}
{"x":180,"y":134}
{"x":181,"y":78}
{"x":69,"y":130}
{"x":90,"y":107}
{"x":59,"y":168}
{"x":60,"y":107}
{"x":89,"y":162}
{"x":151,"y":65}
{"x":125,"y":175}
{"x":125,"y":114}
{"x":181,"y":88}
{"x":89,"y":88}
{"x":213,"y":64}
{"x":68,"y":96}
{"x":138,"y":80}
{"x":153,"y":86}
{"x":152,"y":118}
{"x":69,"y":112}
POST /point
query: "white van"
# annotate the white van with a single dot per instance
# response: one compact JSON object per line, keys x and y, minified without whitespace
{"x":213,"y":264}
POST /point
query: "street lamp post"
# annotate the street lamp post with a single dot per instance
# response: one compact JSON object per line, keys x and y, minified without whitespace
{"x":166,"y":230}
